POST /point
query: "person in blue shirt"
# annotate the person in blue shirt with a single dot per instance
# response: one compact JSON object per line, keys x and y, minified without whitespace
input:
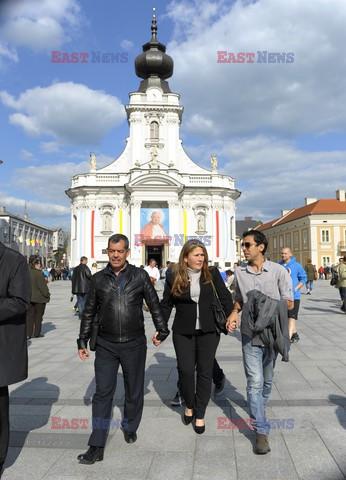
{"x":299,"y":279}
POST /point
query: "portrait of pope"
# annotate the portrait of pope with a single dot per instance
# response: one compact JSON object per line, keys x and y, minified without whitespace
{"x":154,"y":228}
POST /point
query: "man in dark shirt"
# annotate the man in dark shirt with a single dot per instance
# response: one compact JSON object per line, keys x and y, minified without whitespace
{"x":80,"y":283}
{"x":115,"y":297}
{"x":15,"y":294}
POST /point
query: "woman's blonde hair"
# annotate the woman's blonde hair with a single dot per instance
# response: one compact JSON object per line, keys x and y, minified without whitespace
{"x":180,"y":272}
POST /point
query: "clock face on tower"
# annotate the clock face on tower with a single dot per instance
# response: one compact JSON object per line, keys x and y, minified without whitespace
{"x":154,"y":94}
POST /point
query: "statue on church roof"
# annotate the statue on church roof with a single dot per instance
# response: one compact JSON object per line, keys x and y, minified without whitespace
{"x":214,"y":163}
{"x":92,"y":162}
{"x":153,"y":155}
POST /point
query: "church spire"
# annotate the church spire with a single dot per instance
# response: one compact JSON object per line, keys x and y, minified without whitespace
{"x":154,"y":65}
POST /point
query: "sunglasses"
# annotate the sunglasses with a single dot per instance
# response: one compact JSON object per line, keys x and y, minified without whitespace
{"x":247,"y":245}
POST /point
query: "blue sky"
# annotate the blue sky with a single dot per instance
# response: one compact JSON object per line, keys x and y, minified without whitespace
{"x":278,"y":129}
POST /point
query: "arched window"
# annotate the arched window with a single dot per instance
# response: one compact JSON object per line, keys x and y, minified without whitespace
{"x":154,"y":131}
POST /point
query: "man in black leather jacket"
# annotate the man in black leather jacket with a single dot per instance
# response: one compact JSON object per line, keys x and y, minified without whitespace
{"x":80,"y":283}
{"x":115,"y":299}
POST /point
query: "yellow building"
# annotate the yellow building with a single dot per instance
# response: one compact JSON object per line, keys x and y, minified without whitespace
{"x":317,"y":231}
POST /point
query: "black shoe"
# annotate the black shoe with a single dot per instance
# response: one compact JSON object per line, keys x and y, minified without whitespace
{"x":295,"y":338}
{"x":178,"y":400}
{"x":92,"y":455}
{"x":39,"y":336}
{"x":220,"y":387}
{"x":200,"y":429}
{"x":130,"y":437}
{"x":188,"y":419}
{"x":1,"y":469}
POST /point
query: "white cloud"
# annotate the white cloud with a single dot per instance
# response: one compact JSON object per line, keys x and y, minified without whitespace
{"x":307,"y":96}
{"x":40,"y":25}
{"x":25,"y":154}
{"x":49,"y":147}
{"x":48,"y":181}
{"x":126,"y":44}
{"x":72,"y":114}
{"x":35,"y":209}
{"x":7,"y":52}
{"x":274,"y":174}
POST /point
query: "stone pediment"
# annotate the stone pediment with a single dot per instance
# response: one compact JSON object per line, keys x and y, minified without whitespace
{"x":154,"y":182}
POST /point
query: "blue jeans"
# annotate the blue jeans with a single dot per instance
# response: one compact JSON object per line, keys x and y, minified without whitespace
{"x":309,"y":284}
{"x":81,"y":298}
{"x":259,"y":371}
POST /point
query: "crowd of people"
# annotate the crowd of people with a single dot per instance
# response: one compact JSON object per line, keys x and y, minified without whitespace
{"x":205,"y":301}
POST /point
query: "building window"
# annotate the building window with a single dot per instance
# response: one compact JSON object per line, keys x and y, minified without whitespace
{"x":325,"y":236}
{"x":305,"y":238}
{"x":154,"y":131}
{"x":281,"y":241}
{"x":231,"y":228}
{"x":274,"y":244}
{"x":326,"y":261}
{"x":296,"y":240}
{"x":288,"y":240}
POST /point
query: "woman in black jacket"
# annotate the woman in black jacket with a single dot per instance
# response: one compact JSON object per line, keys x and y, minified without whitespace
{"x":189,"y":288}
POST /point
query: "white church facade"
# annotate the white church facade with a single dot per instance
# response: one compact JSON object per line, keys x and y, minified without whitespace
{"x":153,"y":192}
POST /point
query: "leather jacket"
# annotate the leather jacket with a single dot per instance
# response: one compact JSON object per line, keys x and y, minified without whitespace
{"x":119,"y":311}
{"x":81,"y":279}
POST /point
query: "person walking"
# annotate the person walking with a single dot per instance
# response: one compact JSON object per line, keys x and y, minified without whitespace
{"x":15,"y":294}
{"x":40,"y":296}
{"x":299,"y":278}
{"x":342,"y":283}
{"x":265,"y":280}
{"x":115,"y":297}
{"x":310,"y":273}
{"x":190,"y":289}
{"x":80,"y":283}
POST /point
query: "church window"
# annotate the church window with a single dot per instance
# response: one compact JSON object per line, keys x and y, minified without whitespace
{"x":154,"y":131}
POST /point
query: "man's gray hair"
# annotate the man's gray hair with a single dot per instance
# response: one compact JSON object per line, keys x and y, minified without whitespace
{"x":118,"y":237}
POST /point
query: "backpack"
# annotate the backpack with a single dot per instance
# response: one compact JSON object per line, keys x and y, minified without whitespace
{"x":335,"y":278}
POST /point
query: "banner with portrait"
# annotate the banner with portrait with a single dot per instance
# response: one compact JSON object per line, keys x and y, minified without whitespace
{"x":154,"y":225}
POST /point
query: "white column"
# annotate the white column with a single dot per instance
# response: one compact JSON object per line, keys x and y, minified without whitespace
{"x":135,"y":215}
{"x":175,"y":228}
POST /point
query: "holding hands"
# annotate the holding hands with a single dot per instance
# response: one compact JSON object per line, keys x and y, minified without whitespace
{"x":232,"y":321}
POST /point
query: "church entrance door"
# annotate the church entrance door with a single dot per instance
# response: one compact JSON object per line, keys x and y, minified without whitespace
{"x":155,"y":252}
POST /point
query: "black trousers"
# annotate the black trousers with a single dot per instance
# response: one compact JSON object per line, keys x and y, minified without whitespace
{"x":34,"y":317}
{"x":109,"y":355}
{"x":217,"y":374}
{"x":196,"y":353}
{"x":4,"y":423}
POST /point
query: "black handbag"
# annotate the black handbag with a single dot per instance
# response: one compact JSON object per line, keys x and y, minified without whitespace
{"x":219,"y":313}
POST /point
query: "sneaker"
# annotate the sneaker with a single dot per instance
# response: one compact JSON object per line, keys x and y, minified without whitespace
{"x":262,"y":445}
{"x":220,"y":387}
{"x":178,"y":400}
{"x":295,"y":338}
{"x":309,"y":293}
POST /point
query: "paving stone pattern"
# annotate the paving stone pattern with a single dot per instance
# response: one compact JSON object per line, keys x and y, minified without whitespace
{"x":310,"y":389}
